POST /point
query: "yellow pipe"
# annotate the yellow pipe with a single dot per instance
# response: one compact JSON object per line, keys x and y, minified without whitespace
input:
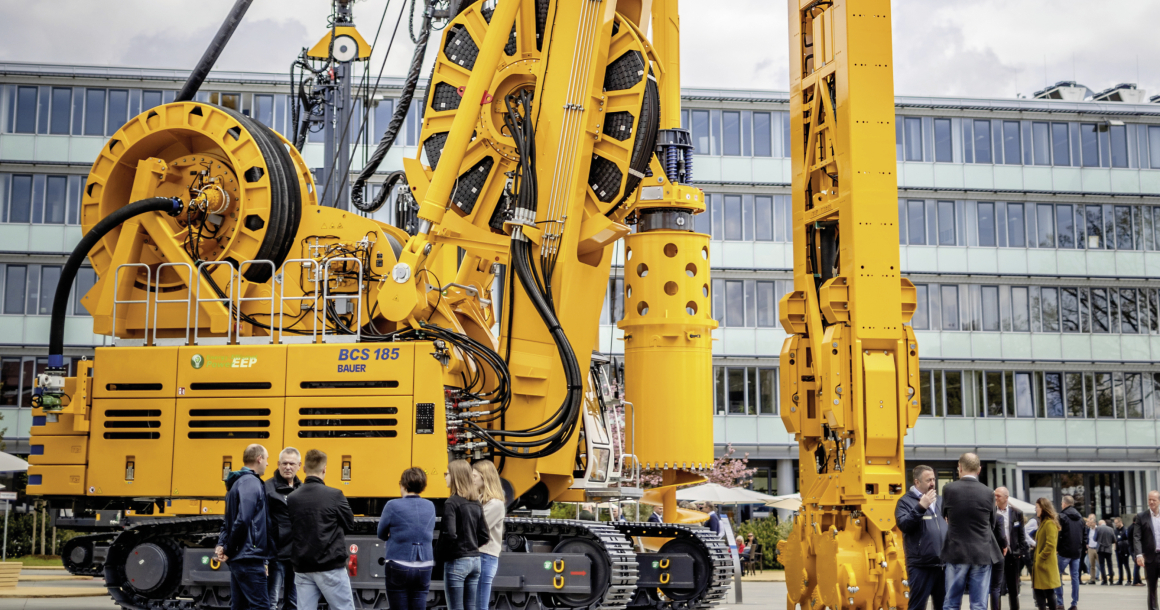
{"x":434,"y":204}
{"x":666,"y":27}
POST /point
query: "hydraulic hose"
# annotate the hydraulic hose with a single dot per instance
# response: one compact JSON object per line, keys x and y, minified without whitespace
{"x":79,"y":253}
{"x":210,"y":57}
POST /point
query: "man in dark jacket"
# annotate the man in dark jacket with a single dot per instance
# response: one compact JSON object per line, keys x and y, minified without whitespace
{"x":1071,"y":547}
{"x":321,"y":518}
{"x":1131,"y":531}
{"x":971,"y":546}
{"x":1146,"y":544}
{"x":278,"y":488}
{"x":1123,"y":552}
{"x":244,"y":541}
{"x":1005,"y":574}
{"x":923,"y":530}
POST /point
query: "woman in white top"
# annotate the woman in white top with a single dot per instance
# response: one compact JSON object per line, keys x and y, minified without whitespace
{"x":491,"y":496}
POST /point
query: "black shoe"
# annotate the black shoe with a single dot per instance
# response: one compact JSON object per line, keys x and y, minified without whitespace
{"x":1073,"y":608}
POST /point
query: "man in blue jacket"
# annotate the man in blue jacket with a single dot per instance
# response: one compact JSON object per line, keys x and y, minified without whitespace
{"x":923,"y":531}
{"x":244,"y":541}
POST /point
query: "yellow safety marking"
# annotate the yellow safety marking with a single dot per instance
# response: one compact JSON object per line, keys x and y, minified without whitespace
{"x":558,"y":582}
{"x":664,"y":564}
{"x":214,"y":564}
{"x":558,"y":566}
{"x":664,"y":578}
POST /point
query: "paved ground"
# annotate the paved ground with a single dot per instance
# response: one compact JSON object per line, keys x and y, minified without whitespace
{"x":764,"y":595}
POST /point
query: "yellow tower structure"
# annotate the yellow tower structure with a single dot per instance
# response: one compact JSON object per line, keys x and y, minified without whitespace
{"x":850,"y":364}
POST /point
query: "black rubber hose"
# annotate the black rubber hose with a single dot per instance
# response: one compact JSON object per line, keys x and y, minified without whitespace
{"x":210,"y":57}
{"x":79,"y":253}
{"x":358,"y":190}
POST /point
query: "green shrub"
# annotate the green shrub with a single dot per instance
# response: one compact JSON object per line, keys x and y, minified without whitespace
{"x":768,"y":532}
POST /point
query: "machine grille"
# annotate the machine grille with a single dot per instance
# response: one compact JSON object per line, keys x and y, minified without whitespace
{"x":226,"y":423}
{"x":347,"y":422}
{"x":132,"y":424}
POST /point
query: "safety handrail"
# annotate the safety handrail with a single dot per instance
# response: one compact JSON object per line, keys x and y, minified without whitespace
{"x":242,"y":298}
{"x":158,"y":302}
{"x":357,"y":297}
{"x":117,"y":300}
{"x":228,"y":300}
{"x":304,"y":264}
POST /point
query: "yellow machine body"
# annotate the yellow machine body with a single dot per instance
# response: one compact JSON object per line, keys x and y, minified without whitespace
{"x":850,"y":365}
{"x":171,"y":422}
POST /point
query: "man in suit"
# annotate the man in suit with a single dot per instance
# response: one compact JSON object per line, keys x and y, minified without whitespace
{"x":973,"y":533}
{"x":1005,"y":574}
{"x":1106,"y":537}
{"x":923,"y":531}
{"x":1146,"y":542}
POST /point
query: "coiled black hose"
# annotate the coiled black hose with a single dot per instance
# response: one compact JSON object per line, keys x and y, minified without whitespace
{"x":60,"y":301}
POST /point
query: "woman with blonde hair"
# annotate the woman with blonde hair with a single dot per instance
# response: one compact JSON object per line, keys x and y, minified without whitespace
{"x":464,"y":531}
{"x":1045,"y":573}
{"x":491,"y":496}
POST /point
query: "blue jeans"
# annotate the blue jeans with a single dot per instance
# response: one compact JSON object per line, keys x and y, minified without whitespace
{"x":280,"y":585}
{"x":1073,"y":565}
{"x":334,"y":585}
{"x":407,"y":587}
{"x":488,"y":564}
{"x":974,"y":580}
{"x":461,"y":580}
{"x":248,"y":585}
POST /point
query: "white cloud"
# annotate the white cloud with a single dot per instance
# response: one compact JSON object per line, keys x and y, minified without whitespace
{"x":965,"y":47}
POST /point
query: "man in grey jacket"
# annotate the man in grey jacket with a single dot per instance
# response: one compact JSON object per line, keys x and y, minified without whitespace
{"x":1106,"y":539}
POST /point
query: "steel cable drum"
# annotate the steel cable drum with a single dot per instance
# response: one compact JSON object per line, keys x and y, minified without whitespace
{"x":255,"y":185}
{"x":623,"y":118}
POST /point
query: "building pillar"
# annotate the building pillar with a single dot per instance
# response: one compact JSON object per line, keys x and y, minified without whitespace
{"x":786,"y":482}
{"x":1017,"y":474}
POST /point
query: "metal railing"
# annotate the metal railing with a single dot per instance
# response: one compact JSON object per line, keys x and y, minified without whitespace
{"x":117,"y":300}
{"x":158,"y":302}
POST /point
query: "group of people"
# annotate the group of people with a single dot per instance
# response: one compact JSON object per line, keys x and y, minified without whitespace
{"x":283,"y":539}
{"x":971,"y":541}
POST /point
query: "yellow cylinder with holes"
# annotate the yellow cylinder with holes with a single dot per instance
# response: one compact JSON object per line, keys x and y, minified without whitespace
{"x":668,"y":349}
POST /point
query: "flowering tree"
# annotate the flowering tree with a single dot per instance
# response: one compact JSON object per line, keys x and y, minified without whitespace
{"x":726,"y":471}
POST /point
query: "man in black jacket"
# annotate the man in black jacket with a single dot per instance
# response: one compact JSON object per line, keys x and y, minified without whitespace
{"x":923,"y":530}
{"x":321,"y":518}
{"x":1071,"y":546}
{"x":278,"y":488}
{"x":1146,"y":544}
{"x":244,"y":541}
{"x":973,"y":532}
{"x":1005,"y":574}
{"x":1123,"y":552}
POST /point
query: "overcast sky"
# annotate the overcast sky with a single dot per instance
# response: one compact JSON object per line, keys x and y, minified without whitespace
{"x":980,"y":48}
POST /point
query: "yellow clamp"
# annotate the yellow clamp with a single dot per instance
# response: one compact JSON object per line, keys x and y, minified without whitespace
{"x":214,"y":564}
{"x":558,"y":581}
{"x":558,"y":566}
{"x":664,"y":578}
{"x":664,"y":564}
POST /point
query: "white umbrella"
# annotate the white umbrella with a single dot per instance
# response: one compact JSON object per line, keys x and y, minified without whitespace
{"x":788,"y":502}
{"x":1023,"y":507}
{"x":718,"y":494}
{"x":11,"y":463}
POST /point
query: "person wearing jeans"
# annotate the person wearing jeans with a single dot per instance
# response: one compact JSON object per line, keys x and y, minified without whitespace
{"x":408,"y":526}
{"x":491,"y":495}
{"x":973,"y":535}
{"x":1071,"y":548}
{"x":464,"y":530}
{"x":321,"y":518}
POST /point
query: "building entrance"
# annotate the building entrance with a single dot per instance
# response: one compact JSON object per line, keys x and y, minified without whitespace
{"x":1101,"y":493}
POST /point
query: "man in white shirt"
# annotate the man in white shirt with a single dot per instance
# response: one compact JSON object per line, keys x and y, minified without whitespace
{"x":1005,"y":574}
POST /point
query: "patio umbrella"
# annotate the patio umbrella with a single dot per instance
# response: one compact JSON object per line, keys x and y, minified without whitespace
{"x":1023,"y":507}
{"x":788,"y":502}
{"x":11,"y":463}
{"x":718,"y":494}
